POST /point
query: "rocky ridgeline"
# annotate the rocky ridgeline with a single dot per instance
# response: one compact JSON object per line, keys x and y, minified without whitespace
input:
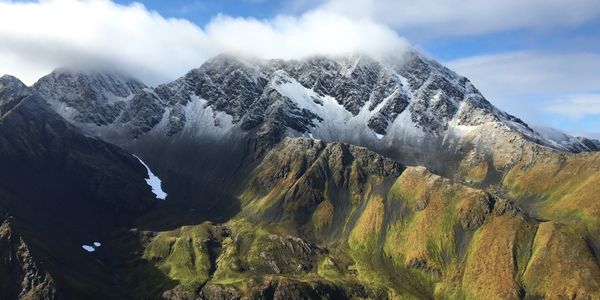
{"x":410,"y":98}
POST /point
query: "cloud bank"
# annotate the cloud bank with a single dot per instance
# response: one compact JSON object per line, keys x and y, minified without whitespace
{"x":40,"y":36}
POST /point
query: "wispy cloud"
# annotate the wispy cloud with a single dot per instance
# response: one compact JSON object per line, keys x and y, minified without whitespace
{"x":532,"y":72}
{"x":468,"y":17}
{"x":576,"y":106}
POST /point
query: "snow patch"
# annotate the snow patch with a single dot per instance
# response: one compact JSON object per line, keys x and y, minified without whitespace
{"x":97,"y":244}
{"x":203,"y":120}
{"x":338,"y":123}
{"x":154,"y":182}
{"x":88,"y":248}
{"x":403,"y":129}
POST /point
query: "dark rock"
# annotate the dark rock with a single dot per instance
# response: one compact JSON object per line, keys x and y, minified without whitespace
{"x":21,"y":275}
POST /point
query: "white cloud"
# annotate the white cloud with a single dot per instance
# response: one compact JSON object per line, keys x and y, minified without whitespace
{"x":463,"y":17}
{"x":576,"y":106}
{"x":40,"y":36}
{"x":315,"y":32}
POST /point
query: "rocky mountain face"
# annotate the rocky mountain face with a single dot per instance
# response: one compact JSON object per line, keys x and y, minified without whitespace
{"x":409,"y":108}
{"x":570,"y":143}
{"x":23,"y":276}
{"x":326,"y":177}
{"x":322,"y":96}
{"x":58,"y":189}
{"x":106,"y":94}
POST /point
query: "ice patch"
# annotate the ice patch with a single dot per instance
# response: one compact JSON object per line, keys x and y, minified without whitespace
{"x":379,"y":136}
{"x":154,"y":182}
{"x":97,"y":244}
{"x":88,"y":248}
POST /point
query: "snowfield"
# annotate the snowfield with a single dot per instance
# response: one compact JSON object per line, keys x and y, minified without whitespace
{"x":154,"y":182}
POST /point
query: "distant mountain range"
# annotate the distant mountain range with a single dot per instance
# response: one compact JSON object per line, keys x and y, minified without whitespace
{"x":326,"y":177}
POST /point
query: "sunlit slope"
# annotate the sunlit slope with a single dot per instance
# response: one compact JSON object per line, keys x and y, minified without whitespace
{"x":333,"y":220}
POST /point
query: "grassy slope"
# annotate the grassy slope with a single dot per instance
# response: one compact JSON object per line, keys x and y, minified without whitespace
{"x":344,"y":217}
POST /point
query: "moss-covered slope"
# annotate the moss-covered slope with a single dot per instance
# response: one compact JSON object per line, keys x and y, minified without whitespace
{"x":332,"y":220}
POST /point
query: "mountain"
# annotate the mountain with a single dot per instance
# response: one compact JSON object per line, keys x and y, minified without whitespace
{"x":409,"y":108}
{"x":22,"y":276}
{"x":325,"y":177}
{"x":109,"y":97}
{"x":573,"y":144}
{"x":57,"y":193}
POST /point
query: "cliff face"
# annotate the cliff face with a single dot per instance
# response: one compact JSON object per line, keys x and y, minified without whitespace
{"x":23,"y":276}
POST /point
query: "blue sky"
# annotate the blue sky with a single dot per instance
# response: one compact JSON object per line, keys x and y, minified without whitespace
{"x":537,"y":59}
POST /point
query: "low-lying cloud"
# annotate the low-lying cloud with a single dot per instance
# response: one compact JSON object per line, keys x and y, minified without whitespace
{"x":40,"y":36}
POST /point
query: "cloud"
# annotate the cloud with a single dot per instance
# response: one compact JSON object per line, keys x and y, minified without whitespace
{"x":467,"y":17}
{"x":577,"y":106}
{"x":594,"y":135}
{"x":40,"y":36}
{"x":315,"y":32}
{"x":531,"y":72}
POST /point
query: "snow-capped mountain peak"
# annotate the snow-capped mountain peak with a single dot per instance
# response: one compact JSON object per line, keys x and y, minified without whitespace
{"x":386,"y":103}
{"x":95,"y":97}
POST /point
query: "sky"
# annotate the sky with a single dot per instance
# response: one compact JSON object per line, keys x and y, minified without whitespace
{"x":536,"y":59}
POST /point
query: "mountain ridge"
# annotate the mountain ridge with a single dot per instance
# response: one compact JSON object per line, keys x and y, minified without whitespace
{"x":236,"y":86}
{"x":319,"y":178}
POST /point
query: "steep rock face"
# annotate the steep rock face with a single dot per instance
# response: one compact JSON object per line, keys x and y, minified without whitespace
{"x":293,"y":177}
{"x":106,"y":94}
{"x":572,"y":144}
{"x":142,"y":113}
{"x":12,"y":91}
{"x":95,"y":99}
{"x":22,"y":276}
{"x":235,"y":86}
